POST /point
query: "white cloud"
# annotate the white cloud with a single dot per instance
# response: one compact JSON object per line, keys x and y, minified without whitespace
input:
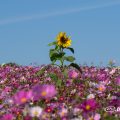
{"x":52,"y":14}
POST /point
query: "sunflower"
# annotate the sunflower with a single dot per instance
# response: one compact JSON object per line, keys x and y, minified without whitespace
{"x":63,"y":40}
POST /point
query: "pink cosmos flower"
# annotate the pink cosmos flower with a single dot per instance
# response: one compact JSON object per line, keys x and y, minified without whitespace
{"x":72,"y":74}
{"x":102,"y":76}
{"x":63,"y":112}
{"x":43,"y":91}
{"x":48,"y":79}
{"x":101,"y":88}
{"x":76,"y":110}
{"x":89,"y":105}
{"x":118,"y":80}
{"x":48,"y":91}
{"x":1,"y":106}
{"x":22,"y":97}
{"x":7,"y":117}
{"x":97,"y":116}
{"x":36,"y":92}
{"x":69,"y":82}
{"x":7,"y":89}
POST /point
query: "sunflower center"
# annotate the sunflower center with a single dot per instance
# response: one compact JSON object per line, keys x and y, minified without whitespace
{"x":63,"y":40}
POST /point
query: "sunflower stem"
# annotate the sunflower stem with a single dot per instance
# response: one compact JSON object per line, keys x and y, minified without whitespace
{"x":61,"y":60}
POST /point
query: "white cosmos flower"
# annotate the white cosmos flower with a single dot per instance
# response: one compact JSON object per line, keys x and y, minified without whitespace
{"x":90,"y":96}
{"x":112,"y":71}
{"x":92,"y":84}
{"x":35,"y":111}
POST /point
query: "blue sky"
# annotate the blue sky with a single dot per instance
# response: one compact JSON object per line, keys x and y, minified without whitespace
{"x":27,"y":26}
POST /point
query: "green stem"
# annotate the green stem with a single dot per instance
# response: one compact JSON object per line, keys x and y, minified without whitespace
{"x":62,"y":61}
{"x":56,"y":65}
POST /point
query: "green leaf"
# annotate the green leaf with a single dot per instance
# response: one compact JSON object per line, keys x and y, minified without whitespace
{"x":111,"y":118}
{"x":71,"y":49}
{"x":40,"y":72}
{"x":41,"y":103}
{"x":53,"y":62}
{"x":56,"y":47}
{"x":75,"y":65}
{"x":69,"y":58}
{"x":53,"y":76}
{"x":54,"y":57}
{"x":53,"y":43}
{"x":52,"y":51}
{"x":61,"y":54}
{"x":65,"y":72}
{"x":59,"y":83}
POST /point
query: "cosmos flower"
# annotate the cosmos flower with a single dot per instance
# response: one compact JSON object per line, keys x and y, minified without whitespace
{"x":63,"y":40}
{"x":36,"y":92}
{"x":7,"y":117}
{"x":76,"y":110}
{"x":114,"y":102}
{"x":35,"y":111}
{"x":101,"y":88}
{"x":112,"y":71}
{"x":102,"y":76}
{"x":22,"y":97}
{"x":72,"y":74}
{"x":44,"y":91}
{"x":45,"y":116}
{"x":90,"y":96}
{"x":63,"y":112}
{"x":95,"y":117}
{"x":69,"y":82}
{"x":48,"y":91}
{"x":89,"y":105}
{"x":118,"y":80}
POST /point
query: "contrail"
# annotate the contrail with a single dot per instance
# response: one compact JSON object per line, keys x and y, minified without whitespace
{"x":52,"y":14}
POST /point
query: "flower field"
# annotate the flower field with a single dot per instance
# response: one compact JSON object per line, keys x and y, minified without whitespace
{"x":48,"y":92}
{"x":59,"y":92}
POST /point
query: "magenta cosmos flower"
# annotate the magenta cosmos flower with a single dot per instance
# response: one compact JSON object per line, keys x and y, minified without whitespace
{"x":118,"y":80}
{"x":102,"y":76}
{"x":22,"y":97}
{"x":89,"y":105}
{"x":43,"y":91}
{"x":8,"y":117}
{"x":72,"y":74}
